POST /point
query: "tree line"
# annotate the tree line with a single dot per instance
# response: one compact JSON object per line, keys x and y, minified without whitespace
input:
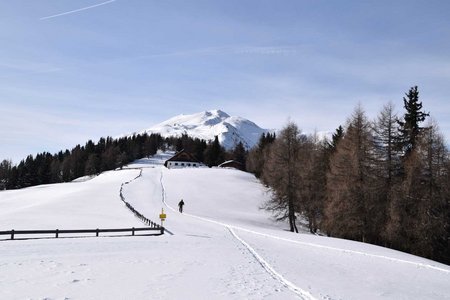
{"x":107,"y":154}
{"x":384,"y":181}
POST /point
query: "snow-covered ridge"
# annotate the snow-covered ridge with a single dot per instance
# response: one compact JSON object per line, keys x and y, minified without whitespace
{"x":230,"y":130}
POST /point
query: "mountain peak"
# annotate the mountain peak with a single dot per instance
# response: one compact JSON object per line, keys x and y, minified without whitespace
{"x":217,"y":112}
{"x":208,"y":124}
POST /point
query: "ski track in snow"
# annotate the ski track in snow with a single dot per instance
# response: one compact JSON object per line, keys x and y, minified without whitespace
{"x":302,"y":293}
{"x":417,"y":264}
{"x":266,"y":266}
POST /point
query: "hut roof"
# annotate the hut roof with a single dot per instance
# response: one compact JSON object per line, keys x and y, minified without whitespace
{"x":232,"y":164}
{"x":183,"y":156}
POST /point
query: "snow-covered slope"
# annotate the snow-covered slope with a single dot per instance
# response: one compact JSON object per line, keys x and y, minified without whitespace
{"x":222,"y":247}
{"x":208,"y":124}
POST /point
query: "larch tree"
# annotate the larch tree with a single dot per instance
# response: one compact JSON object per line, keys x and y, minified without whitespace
{"x":434,"y":212}
{"x":351,"y":198}
{"x":419,"y":211}
{"x":312,"y":185}
{"x":281,"y":173}
{"x":387,"y":164}
{"x":387,"y":136}
{"x":416,"y":189}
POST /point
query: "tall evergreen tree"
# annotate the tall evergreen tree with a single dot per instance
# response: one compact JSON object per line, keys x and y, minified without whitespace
{"x":410,"y":125}
{"x":335,"y":138}
{"x":239,"y":153}
{"x":92,"y":164}
{"x":5,"y":173}
{"x":214,"y":153}
{"x":258,"y":155}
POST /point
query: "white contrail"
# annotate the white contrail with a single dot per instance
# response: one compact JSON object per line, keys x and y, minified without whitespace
{"x":76,"y":10}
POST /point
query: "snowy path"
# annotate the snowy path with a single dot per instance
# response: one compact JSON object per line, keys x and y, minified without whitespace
{"x":264,"y":264}
{"x":300,"y":292}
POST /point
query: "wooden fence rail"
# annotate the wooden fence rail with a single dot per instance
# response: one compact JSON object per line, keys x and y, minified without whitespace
{"x":131,"y":208}
{"x":57,"y":232}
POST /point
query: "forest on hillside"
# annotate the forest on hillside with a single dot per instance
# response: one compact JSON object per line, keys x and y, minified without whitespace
{"x":107,"y":154}
{"x":384,"y":181}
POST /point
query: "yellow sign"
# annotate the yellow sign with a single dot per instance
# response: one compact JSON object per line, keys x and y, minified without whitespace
{"x":162,"y":215}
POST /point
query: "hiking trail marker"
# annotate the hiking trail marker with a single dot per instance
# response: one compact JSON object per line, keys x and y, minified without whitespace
{"x":162,"y":216}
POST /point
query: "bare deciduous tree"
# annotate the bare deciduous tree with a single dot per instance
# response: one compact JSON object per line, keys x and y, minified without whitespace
{"x":282,"y":175}
{"x":419,"y":209}
{"x":351,"y":200}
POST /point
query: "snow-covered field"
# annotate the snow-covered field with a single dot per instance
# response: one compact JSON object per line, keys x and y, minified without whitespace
{"x":222,"y":247}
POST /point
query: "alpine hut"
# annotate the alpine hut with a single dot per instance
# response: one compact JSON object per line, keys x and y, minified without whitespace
{"x":183,"y":159}
{"x":233,"y":165}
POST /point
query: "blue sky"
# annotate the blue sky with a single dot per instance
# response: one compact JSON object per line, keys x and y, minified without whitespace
{"x":73,"y":70}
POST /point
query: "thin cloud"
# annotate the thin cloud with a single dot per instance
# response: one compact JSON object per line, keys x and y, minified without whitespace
{"x":235,"y":50}
{"x":270,"y":50}
{"x":210,"y":51}
{"x":76,"y":10}
{"x":17,"y":68}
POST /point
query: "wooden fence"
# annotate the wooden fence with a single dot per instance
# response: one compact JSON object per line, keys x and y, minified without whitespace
{"x":13,"y":233}
{"x":132,"y":209}
{"x":152,"y":225}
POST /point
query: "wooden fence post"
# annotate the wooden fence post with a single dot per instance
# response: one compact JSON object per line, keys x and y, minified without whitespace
{"x":12,"y":234}
{"x":57,"y":233}
{"x":132,"y":231}
{"x":96,"y":232}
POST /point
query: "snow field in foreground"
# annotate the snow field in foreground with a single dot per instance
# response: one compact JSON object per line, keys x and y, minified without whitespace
{"x":216,"y":251}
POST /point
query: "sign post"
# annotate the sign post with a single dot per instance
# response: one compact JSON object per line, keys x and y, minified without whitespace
{"x":162,"y":216}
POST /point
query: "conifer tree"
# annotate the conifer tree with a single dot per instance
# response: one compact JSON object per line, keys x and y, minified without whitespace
{"x":410,"y":125}
{"x":335,"y":138}
{"x":351,"y":200}
{"x":282,"y":174}
{"x":312,"y":185}
{"x":214,"y":153}
{"x":239,"y":153}
{"x":387,"y":136}
{"x":92,"y":164}
{"x":387,"y":165}
{"x":419,"y":209}
{"x":258,"y":156}
{"x":5,"y":173}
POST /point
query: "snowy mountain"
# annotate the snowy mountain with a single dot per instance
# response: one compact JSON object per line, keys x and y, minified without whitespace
{"x":208,"y":124}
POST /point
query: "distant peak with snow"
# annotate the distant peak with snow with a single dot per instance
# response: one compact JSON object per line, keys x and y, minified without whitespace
{"x":205,"y":125}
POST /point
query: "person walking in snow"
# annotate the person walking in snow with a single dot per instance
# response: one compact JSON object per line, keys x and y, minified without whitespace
{"x":180,"y":206}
